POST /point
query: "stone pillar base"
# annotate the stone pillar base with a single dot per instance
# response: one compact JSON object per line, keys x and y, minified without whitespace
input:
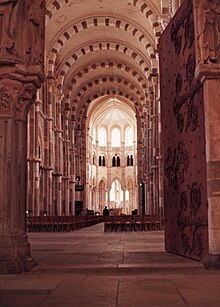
{"x":15,"y":255}
{"x":212,"y":262}
{"x":17,"y":266}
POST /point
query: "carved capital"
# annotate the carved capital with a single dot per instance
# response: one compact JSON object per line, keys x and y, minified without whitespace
{"x":16,"y":98}
{"x":26,"y":96}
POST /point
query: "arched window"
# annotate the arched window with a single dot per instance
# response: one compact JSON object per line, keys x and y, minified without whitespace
{"x":116,"y":137}
{"x":113,"y":161}
{"x":129,"y":137}
{"x":130,"y":161}
{"x":102,"y":137}
{"x":118,"y":161}
{"x":101,"y":160}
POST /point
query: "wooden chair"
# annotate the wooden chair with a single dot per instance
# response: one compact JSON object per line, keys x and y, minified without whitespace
{"x":127,"y":222}
{"x":155,"y":222}
{"x":109,"y":223}
{"x":118,"y":222}
{"x":146,"y":223}
{"x":137,"y":222}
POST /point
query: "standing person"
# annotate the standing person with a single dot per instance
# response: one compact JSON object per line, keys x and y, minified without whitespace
{"x":105,"y":211}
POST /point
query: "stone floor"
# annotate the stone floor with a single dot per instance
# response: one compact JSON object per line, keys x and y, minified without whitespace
{"x":89,"y":267}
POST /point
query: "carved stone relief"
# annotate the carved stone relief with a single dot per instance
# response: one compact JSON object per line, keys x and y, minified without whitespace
{"x":5,"y":100}
{"x":28,"y":27}
{"x":26,"y":96}
{"x":34,"y":52}
{"x":208,"y":30}
{"x":15,"y":99}
{"x":8,"y":10}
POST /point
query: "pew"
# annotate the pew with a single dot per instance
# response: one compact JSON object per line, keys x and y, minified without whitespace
{"x":133,"y":222}
{"x":60,"y":223}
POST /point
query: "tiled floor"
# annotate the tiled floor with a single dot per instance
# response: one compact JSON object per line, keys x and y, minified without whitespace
{"x":89,"y":267}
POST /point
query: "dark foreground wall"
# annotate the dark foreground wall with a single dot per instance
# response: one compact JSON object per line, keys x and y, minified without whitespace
{"x":182,"y":110}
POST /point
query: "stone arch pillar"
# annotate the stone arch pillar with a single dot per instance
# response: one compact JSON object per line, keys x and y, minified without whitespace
{"x":21,"y":59}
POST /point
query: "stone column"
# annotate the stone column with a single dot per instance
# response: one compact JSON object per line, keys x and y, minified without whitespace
{"x":66,"y":162}
{"x":49,"y":154}
{"x":206,"y":14}
{"x":33,"y":161}
{"x":72,"y":179}
{"x":21,"y":58}
{"x":58,"y":172}
{"x":15,"y":99}
{"x":108,"y":198}
{"x":123,"y":201}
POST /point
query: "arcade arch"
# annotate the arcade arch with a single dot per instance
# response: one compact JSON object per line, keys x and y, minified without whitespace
{"x":111,"y":122}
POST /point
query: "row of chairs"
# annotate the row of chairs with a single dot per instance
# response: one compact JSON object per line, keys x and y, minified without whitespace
{"x":60,"y":223}
{"x":133,"y":222}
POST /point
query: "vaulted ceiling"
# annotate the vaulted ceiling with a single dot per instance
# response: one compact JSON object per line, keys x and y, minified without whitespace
{"x":102,"y":47}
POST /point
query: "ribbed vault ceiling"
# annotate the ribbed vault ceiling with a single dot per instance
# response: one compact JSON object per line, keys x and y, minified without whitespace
{"x":98,"y":48}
